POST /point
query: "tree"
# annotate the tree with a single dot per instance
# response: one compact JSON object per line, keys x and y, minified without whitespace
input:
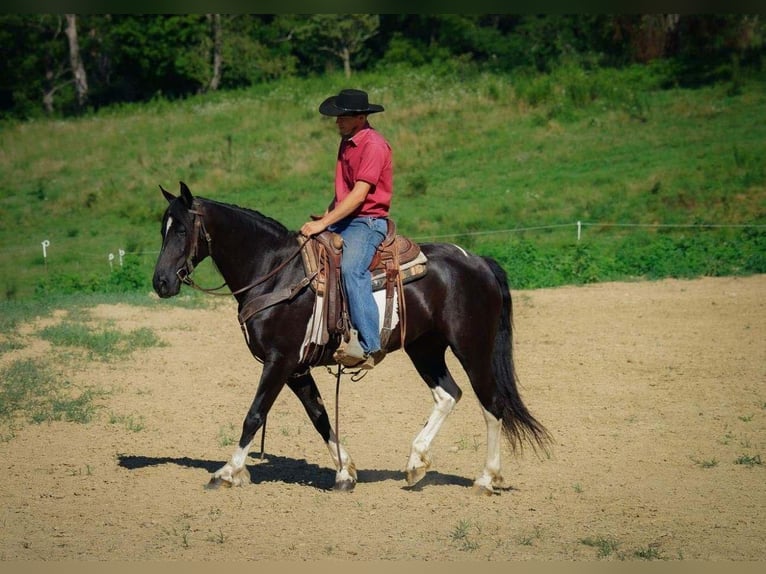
{"x":343,"y":35}
{"x":215,"y":78}
{"x":56,"y":70}
{"x":75,"y":61}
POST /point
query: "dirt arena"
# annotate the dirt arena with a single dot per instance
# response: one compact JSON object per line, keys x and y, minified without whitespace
{"x":654,"y":391}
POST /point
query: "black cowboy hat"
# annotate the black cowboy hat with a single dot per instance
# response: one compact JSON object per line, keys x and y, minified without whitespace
{"x":348,"y":103}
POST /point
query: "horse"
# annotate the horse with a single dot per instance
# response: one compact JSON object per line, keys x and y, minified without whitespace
{"x":463,"y":303}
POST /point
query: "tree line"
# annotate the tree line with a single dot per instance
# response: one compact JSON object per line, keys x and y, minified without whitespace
{"x":68,"y":64}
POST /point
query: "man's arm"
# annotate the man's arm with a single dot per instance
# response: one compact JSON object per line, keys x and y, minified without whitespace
{"x":346,"y":207}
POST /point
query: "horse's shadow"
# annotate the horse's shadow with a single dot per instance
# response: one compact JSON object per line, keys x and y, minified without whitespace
{"x":275,"y":468}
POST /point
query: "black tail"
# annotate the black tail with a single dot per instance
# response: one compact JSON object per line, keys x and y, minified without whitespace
{"x":518,"y":422}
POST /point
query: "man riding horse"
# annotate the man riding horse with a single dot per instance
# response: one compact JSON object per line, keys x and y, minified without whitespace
{"x":359,"y":213}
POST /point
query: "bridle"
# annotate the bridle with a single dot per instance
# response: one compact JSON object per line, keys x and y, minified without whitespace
{"x":199,"y":231}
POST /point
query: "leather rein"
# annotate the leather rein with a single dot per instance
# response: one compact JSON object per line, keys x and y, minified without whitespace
{"x":184,"y":273}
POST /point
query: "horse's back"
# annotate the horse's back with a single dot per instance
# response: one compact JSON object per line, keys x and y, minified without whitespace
{"x":457,"y":282}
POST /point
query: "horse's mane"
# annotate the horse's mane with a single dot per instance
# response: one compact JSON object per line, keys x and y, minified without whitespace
{"x":253,"y":219}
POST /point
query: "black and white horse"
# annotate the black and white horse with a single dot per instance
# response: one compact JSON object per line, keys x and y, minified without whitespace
{"x":463,"y":303}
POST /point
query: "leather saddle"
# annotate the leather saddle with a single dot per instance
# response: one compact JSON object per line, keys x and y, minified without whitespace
{"x":398,"y":260}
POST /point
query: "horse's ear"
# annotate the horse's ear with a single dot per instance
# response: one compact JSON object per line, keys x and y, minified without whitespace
{"x":169,"y":196}
{"x":186,"y":194}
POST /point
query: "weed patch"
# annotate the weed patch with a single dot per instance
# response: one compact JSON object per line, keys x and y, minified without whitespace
{"x":748,"y":460}
{"x":461,"y":535}
{"x":605,"y":547}
{"x":648,"y":553}
{"x":131,"y":422}
{"x":30,"y":389}
{"x":100,"y":343}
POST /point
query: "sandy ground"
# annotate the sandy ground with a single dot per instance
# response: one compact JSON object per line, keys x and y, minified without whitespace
{"x":652,"y":390}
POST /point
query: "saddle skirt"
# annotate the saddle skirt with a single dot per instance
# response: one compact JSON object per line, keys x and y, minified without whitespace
{"x":397,"y":261}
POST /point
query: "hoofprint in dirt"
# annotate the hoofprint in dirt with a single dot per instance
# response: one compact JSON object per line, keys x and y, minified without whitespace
{"x":654,"y":392}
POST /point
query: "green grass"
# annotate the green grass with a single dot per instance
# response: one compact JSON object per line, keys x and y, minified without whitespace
{"x":461,"y":535}
{"x":31,"y":390}
{"x":478,"y":157}
{"x":131,"y":422}
{"x":749,"y":460}
{"x":101,"y":343}
{"x":703,"y":463}
{"x":14,"y":313}
{"x":605,"y":546}
{"x":226,"y":435}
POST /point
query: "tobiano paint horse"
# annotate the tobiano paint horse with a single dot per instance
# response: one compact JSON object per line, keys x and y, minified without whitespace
{"x":462,"y":303}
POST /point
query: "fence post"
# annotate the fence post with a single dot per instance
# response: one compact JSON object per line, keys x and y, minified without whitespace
{"x":579,"y":230}
{"x":45,"y":243}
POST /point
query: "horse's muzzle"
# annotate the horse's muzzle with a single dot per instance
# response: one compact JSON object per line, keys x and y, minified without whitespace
{"x":166,"y":286}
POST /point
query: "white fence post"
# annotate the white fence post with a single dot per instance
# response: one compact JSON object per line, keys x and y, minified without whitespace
{"x":45,"y":243}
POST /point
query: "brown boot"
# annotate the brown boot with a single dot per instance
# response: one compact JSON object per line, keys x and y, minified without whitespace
{"x":347,"y":359}
{"x":372,"y":359}
{"x":366,"y":362}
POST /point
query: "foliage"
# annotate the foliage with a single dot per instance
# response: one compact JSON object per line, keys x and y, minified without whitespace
{"x":142,"y":57}
{"x":639,"y":255}
{"x":341,"y":35}
{"x":123,"y":279}
{"x":478,"y":154}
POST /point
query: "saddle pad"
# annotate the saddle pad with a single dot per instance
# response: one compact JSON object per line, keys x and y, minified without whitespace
{"x":316,"y":330}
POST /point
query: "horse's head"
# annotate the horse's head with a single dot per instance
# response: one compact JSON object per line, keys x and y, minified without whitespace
{"x":180,"y":251}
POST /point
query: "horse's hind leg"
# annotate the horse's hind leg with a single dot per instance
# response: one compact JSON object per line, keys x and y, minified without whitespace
{"x":478,"y":368}
{"x":428,"y":358}
{"x":307,"y":392}
{"x":491,"y":476}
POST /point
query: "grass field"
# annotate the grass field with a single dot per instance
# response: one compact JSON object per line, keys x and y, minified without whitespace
{"x":479,"y":158}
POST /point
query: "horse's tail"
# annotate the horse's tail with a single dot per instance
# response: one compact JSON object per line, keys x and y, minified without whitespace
{"x":518,"y":422}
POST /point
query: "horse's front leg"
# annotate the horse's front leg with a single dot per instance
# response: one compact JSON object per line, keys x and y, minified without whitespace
{"x":234,"y":472}
{"x":306,"y":390}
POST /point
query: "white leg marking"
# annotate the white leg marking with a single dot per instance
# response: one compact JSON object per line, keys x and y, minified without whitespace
{"x":420,"y":459}
{"x":234,"y":472}
{"x":345,"y":475}
{"x":491,"y":476}
{"x":239,"y":457}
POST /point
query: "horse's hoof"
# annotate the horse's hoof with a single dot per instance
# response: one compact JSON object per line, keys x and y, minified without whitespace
{"x":344,"y":486}
{"x":228,"y":479}
{"x":241,"y":478}
{"x":217,"y":482}
{"x":415,"y":475}
{"x":483,"y":490}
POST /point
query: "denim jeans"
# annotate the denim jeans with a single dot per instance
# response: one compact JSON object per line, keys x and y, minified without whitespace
{"x":361,"y":237}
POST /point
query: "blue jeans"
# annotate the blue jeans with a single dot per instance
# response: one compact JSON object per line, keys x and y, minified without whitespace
{"x":361,"y":237}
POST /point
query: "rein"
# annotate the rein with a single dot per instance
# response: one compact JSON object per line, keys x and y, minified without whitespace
{"x":184,"y":274}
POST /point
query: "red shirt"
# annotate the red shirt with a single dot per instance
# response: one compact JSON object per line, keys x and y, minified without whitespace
{"x":367,"y":157}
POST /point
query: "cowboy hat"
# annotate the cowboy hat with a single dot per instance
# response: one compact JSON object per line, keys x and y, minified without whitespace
{"x":347,"y":103}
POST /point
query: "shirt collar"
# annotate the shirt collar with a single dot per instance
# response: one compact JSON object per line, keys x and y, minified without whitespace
{"x":361,"y":135}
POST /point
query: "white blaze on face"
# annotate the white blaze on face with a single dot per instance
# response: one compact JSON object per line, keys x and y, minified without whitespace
{"x":168,"y":225}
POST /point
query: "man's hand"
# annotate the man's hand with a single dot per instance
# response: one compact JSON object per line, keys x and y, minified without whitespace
{"x":312,"y":228}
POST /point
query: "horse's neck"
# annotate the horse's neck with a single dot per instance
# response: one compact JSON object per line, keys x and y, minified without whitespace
{"x":244,"y":245}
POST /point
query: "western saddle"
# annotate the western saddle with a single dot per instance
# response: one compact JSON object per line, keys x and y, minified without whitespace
{"x":397,"y":261}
